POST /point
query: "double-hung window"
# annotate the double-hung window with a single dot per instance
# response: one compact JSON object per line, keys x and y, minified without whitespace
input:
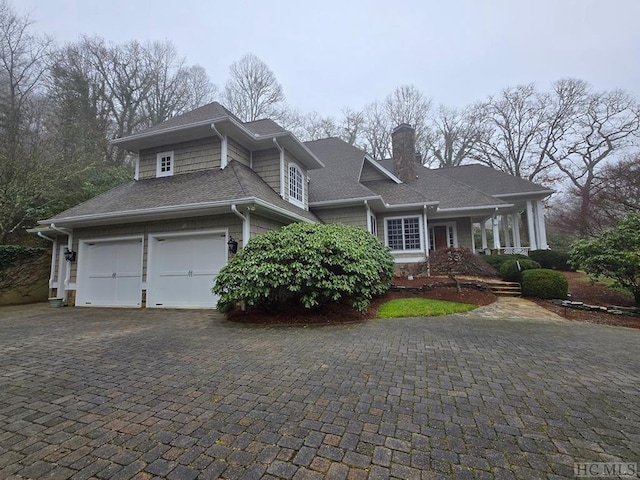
{"x":296,"y":185}
{"x":164,"y":164}
{"x":403,"y":233}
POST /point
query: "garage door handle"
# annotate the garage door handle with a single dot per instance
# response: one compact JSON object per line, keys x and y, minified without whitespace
{"x":113,"y":275}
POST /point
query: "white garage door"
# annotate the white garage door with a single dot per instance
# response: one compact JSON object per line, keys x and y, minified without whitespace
{"x":182,"y":269}
{"x":110,"y":273}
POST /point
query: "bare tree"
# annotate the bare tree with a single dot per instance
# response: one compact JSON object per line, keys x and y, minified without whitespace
{"x":252,"y":91}
{"x":376,"y":132}
{"x":618,"y":194}
{"x":514,"y":124}
{"x":175,"y":87}
{"x":351,"y":125}
{"x":604,"y":124}
{"x":452,"y":136}
{"x":24,"y":177}
{"x":407,"y":104}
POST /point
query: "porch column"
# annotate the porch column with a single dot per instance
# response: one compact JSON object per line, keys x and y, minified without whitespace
{"x":541,"y":229}
{"x":531,"y":226}
{"x":496,"y":233}
{"x":483,"y":233}
{"x":515,"y":225}
{"x":505,"y":230}
{"x":473,"y":240}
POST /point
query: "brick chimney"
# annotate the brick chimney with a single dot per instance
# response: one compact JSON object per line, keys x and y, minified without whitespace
{"x":403,"y":143}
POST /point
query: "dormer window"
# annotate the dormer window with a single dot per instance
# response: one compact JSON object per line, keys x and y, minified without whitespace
{"x":296,"y":185}
{"x":164,"y":164}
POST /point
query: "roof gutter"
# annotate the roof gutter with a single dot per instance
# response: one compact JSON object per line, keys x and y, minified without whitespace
{"x":148,"y":211}
{"x":345,"y":201}
{"x":282,"y":177}
{"x":480,"y":207}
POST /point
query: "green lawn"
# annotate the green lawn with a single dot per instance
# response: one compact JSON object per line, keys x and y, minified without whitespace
{"x":421,"y":307}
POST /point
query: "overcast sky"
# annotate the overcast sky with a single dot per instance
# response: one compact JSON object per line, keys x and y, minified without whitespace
{"x":332,"y":54}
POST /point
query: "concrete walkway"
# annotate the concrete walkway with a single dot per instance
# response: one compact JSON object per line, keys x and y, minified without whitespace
{"x":515,"y":308}
{"x":141,"y":394}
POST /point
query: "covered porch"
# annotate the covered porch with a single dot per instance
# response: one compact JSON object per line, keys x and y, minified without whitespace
{"x":519,"y":230}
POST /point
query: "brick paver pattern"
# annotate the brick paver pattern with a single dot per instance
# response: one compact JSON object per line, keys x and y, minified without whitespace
{"x":109,"y":393}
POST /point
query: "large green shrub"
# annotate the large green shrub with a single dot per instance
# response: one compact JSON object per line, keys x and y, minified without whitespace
{"x":496,"y":261}
{"x":306,"y":264}
{"x":544,"y":283}
{"x":614,"y":254}
{"x":551,"y":259}
{"x":511,"y":270}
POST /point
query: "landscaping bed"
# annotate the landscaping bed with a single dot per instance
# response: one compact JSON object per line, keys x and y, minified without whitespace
{"x":582,"y":290}
{"x":340,"y":313}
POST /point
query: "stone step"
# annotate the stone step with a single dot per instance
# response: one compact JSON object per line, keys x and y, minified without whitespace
{"x":504,"y":289}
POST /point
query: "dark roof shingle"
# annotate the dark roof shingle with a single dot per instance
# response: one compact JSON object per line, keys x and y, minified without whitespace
{"x":207,"y":186}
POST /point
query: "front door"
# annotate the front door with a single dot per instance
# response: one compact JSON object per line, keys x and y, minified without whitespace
{"x":440,"y":239}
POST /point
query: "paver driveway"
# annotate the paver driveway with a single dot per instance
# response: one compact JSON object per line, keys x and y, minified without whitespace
{"x":183,"y":394}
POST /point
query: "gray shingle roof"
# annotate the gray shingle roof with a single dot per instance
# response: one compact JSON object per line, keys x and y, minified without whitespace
{"x":264,"y":127}
{"x":339,"y":179}
{"x":210,"y":111}
{"x":208,"y":186}
{"x":490,"y":180}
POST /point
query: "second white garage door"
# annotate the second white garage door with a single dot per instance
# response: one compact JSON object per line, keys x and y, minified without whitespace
{"x":182,"y":269}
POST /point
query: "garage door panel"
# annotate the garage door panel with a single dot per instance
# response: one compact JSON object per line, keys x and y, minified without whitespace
{"x":184,"y":268}
{"x":111,"y":274}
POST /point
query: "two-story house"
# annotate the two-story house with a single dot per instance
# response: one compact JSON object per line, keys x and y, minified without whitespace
{"x":205,"y":183}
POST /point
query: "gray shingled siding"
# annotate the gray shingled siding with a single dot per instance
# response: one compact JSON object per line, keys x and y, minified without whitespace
{"x":261,"y":225}
{"x":355,"y":216}
{"x":369,"y":173}
{"x":188,"y":157}
{"x":266,"y":163}
{"x":218,"y":222}
{"x":237,"y":152}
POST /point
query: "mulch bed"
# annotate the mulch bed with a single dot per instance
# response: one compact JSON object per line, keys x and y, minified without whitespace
{"x":581,"y":291}
{"x":584,"y":291}
{"x":342,"y":313}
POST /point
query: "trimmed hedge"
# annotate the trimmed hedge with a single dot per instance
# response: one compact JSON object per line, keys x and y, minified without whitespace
{"x":511,"y":270}
{"x":308,"y":265}
{"x":544,"y":283}
{"x":552,"y":259}
{"x":496,"y":261}
{"x":13,"y":254}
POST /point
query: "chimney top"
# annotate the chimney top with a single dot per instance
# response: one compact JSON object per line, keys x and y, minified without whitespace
{"x":402,"y":126}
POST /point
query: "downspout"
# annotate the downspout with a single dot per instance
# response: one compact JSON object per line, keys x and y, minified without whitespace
{"x":223,"y":147}
{"x":275,"y":141}
{"x":368,"y":209}
{"x":426,"y":239}
{"x":54,"y":257}
{"x":67,"y":276}
{"x":245,"y":223}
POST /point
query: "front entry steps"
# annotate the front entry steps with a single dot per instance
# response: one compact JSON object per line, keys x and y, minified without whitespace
{"x":504,"y":289}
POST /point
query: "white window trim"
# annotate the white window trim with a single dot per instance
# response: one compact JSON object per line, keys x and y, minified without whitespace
{"x":450,"y":225}
{"x":168,"y":173}
{"x":292,"y":199}
{"x":420,"y":230}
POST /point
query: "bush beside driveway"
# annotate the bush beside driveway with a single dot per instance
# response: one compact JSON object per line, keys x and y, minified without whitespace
{"x":183,"y":394}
